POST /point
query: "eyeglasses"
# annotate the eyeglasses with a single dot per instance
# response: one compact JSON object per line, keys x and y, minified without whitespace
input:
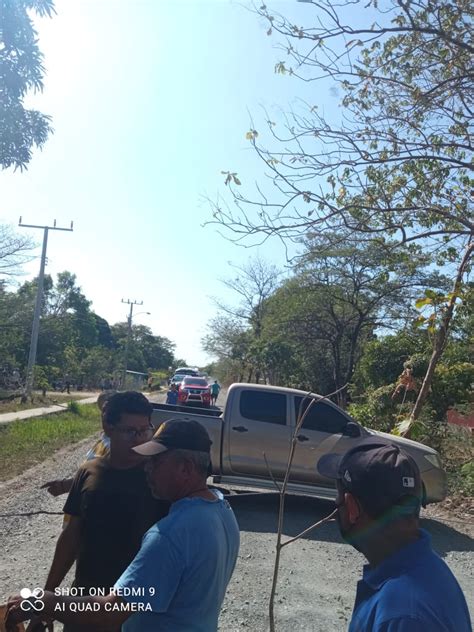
{"x":135,"y":433}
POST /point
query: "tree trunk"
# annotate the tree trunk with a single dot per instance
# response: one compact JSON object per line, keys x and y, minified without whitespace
{"x":441,"y":335}
{"x":342,"y":398}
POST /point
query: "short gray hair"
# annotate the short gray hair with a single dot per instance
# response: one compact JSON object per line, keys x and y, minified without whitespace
{"x":201,"y":460}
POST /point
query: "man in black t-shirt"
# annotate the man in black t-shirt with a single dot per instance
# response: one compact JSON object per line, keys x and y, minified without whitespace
{"x":110,"y":503}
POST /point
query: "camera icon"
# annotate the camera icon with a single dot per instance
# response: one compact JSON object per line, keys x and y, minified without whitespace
{"x":32,"y":599}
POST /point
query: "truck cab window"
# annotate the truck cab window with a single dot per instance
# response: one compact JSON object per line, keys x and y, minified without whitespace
{"x":321,"y":416}
{"x":261,"y":406}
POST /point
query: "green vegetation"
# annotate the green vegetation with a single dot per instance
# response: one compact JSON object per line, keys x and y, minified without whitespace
{"x":30,"y":441}
{"x":75,"y":344}
{"x":74,"y":408}
{"x":387,"y":173}
{"x":22,"y":73}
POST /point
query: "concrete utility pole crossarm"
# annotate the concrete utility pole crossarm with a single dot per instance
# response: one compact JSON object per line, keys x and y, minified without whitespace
{"x":38,"y":303}
{"x":129,"y":335}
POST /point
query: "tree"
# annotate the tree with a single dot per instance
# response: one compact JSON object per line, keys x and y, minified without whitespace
{"x":382,"y":363}
{"x":146,"y":351}
{"x":384,"y":357}
{"x":104,"y":333}
{"x":441,"y":333}
{"x":15,"y":250}
{"x":98,"y":364}
{"x":15,"y":329}
{"x":73,"y":340}
{"x":342,"y":292}
{"x":397,"y":164}
{"x":254,"y":284}
{"x":399,"y":160}
{"x":228,"y":341}
{"x":22,"y":70}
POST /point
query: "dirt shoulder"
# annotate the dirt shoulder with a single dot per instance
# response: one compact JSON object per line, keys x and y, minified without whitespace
{"x":318,"y":574}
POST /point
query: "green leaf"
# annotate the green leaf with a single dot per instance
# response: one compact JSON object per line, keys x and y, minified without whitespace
{"x":402,"y":427}
{"x":419,"y":321}
{"x":421,"y":302}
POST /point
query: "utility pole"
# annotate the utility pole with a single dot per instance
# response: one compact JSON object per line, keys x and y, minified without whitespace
{"x":38,"y":303}
{"x":129,"y":335}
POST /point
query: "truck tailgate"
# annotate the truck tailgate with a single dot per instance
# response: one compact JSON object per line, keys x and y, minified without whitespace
{"x":212,"y":423}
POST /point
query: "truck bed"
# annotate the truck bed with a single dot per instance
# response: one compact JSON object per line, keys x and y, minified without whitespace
{"x":209,"y":418}
{"x":191,"y":410}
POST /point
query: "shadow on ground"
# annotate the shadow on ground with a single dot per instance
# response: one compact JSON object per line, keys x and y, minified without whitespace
{"x":258,"y":512}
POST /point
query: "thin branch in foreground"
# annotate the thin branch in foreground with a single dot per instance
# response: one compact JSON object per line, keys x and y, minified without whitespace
{"x":329,"y":518}
{"x":314,"y":399}
{"x":270,"y":472}
{"x":31,"y":513}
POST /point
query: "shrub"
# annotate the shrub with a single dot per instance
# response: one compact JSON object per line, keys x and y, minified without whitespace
{"x":74,"y":407}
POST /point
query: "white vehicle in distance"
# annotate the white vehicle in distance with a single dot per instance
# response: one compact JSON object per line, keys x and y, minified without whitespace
{"x":181,"y":373}
{"x":186,"y":370}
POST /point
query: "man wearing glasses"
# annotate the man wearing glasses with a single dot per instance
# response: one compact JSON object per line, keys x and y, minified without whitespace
{"x":110,"y":504}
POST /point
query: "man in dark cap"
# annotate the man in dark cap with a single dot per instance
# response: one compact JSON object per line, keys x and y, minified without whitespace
{"x":405,"y":587}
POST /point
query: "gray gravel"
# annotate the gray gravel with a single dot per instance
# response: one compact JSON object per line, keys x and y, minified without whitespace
{"x":318,"y":574}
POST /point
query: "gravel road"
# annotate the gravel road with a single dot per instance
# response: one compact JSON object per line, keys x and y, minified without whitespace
{"x":318,"y":574}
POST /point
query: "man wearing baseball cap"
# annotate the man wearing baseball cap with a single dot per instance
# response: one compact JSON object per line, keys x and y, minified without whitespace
{"x":179,"y":577}
{"x":405,"y":587}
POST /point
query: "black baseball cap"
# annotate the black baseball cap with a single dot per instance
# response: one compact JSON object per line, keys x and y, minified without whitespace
{"x":378,"y":473}
{"x":177,"y":434}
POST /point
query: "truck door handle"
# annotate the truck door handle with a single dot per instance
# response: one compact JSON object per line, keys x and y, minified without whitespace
{"x":240,"y":428}
{"x":302,"y":438}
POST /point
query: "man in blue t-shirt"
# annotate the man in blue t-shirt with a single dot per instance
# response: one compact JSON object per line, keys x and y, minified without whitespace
{"x":186,"y":562}
{"x":172,"y":395}
{"x":178,"y":579}
{"x":215,"y":389}
{"x":405,"y":587}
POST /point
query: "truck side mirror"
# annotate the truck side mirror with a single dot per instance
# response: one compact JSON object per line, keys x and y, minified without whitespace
{"x":352,"y":429}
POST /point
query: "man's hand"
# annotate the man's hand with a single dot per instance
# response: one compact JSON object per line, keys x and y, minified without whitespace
{"x":58,"y":487}
{"x":16,"y":614}
{"x":37,"y":625}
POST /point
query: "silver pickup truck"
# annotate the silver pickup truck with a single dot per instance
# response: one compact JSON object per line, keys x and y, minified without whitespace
{"x":252,"y":435}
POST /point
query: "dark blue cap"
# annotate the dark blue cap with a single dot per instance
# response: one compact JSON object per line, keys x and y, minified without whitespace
{"x":378,"y":473}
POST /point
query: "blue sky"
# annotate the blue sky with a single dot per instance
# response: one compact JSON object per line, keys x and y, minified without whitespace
{"x":150,"y":101}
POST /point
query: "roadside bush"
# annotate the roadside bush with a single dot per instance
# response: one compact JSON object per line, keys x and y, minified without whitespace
{"x":456,"y":449}
{"x":452,"y":385}
{"x":467,"y":477}
{"x":383,"y":358}
{"x":74,"y":408}
{"x":41,"y":381}
{"x":377,"y":411}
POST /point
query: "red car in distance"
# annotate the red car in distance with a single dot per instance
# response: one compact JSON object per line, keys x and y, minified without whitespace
{"x":194,"y":390}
